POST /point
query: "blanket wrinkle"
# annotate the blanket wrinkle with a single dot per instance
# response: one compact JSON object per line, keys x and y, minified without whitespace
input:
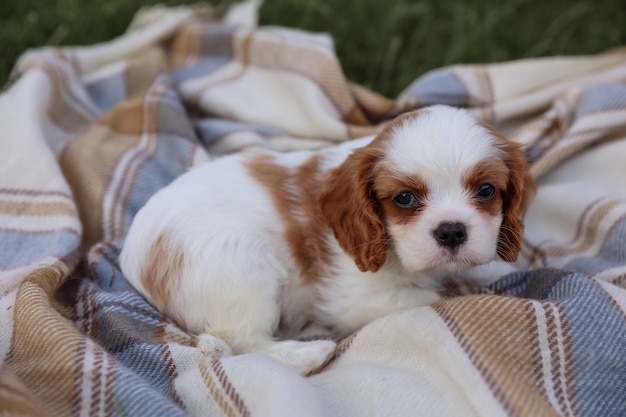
{"x":90,"y":133}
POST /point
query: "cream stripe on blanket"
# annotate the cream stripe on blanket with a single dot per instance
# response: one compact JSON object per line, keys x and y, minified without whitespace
{"x":88,"y":134}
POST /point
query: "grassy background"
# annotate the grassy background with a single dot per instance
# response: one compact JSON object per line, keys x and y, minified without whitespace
{"x":383,"y":44}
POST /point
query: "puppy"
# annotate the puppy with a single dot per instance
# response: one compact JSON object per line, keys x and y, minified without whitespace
{"x":260,"y":244}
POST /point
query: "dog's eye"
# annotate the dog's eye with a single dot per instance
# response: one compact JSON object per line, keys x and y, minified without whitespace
{"x":485,"y":191}
{"x":405,"y":199}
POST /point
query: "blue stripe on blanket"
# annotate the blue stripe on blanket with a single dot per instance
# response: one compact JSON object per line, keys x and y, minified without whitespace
{"x":597,"y":335}
{"x":134,"y":397}
{"x":611,"y":255}
{"x":202,"y":67}
{"x":215,"y":51}
{"x":438,"y":87}
{"x":598,"y":339}
{"x":128,"y":326}
{"x":171,"y":159}
{"x":217,"y":39}
{"x":20,"y":248}
{"x":210,"y":130}
{"x":601,"y":97}
{"x":107,"y":93}
{"x":176,"y":140}
{"x":172,"y":117}
{"x":105,"y":270}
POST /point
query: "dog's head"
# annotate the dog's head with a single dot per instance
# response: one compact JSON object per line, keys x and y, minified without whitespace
{"x":438,"y":187}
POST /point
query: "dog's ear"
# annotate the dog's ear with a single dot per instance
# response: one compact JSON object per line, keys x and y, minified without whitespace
{"x":520,"y":191}
{"x":350,"y":207}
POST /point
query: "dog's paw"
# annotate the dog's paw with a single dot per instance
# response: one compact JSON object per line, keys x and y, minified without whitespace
{"x":314,"y":332}
{"x":304,"y":357}
{"x":210,"y":345}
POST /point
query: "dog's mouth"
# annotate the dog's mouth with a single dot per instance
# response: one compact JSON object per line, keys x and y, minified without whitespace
{"x":454,"y":260}
{"x":455,"y":264}
{"x":434,"y":259}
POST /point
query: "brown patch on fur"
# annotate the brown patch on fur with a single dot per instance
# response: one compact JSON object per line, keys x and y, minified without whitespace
{"x":350,"y":204}
{"x":387,"y":185}
{"x":495,"y":173}
{"x":516,"y":198}
{"x":162,"y":272}
{"x":352,"y":210}
{"x":294,"y":192}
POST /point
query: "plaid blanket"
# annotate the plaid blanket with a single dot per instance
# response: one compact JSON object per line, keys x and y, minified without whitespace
{"x":89,"y":134}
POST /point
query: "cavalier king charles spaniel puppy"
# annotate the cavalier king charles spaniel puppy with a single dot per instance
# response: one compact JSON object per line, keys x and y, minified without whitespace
{"x":255,"y":248}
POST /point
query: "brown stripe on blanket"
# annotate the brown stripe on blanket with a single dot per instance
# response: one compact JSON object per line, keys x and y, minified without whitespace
{"x":30,"y":193}
{"x":223,"y":392}
{"x":125,"y":175}
{"x":174,"y":334}
{"x":355,"y":116}
{"x":37,"y":209}
{"x":496,"y":338}
{"x":355,"y":131}
{"x":620,"y":281}
{"x":168,"y":361}
{"x":67,"y":111}
{"x":216,"y":366}
{"x":578,"y":140}
{"x":272,"y":51}
{"x":556,"y":337}
{"x":96,"y":363}
{"x":542,"y":133}
{"x":587,"y":231}
{"x":465,"y":343}
{"x":142,"y":70}
{"x":536,"y":347}
{"x":375,"y":107}
{"x":561,"y":357}
{"x":341,"y":349}
{"x":485,"y":104}
{"x":109,"y":382}
{"x":295,"y":195}
{"x":614,"y":303}
{"x":15,"y":398}
{"x":214,"y":41}
{"x":43,"y":365}
{"x":126,"y":118}
{"x":216,"y":77}
{"x":184,"y":49}
{"x":88,"y":163}
{"x":211,"y":385}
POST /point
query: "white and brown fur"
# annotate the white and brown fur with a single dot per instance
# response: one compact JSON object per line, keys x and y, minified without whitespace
{"x":258,"y":245}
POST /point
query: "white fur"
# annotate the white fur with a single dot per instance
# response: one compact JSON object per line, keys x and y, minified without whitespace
{"x":240,"y":280}
{"x":441,"y":147}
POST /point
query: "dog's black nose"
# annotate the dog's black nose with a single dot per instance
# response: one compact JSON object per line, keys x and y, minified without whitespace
{"x":451,"y":235}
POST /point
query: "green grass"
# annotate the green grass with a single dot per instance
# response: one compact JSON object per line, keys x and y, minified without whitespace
{"x":383,"y":44}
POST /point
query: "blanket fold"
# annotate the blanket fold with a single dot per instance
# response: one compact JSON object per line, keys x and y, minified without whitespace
{"x":90,"y":133}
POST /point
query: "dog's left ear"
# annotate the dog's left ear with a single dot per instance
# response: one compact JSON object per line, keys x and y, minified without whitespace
{"x":520,"y":191}
{"x":350,"y":208}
